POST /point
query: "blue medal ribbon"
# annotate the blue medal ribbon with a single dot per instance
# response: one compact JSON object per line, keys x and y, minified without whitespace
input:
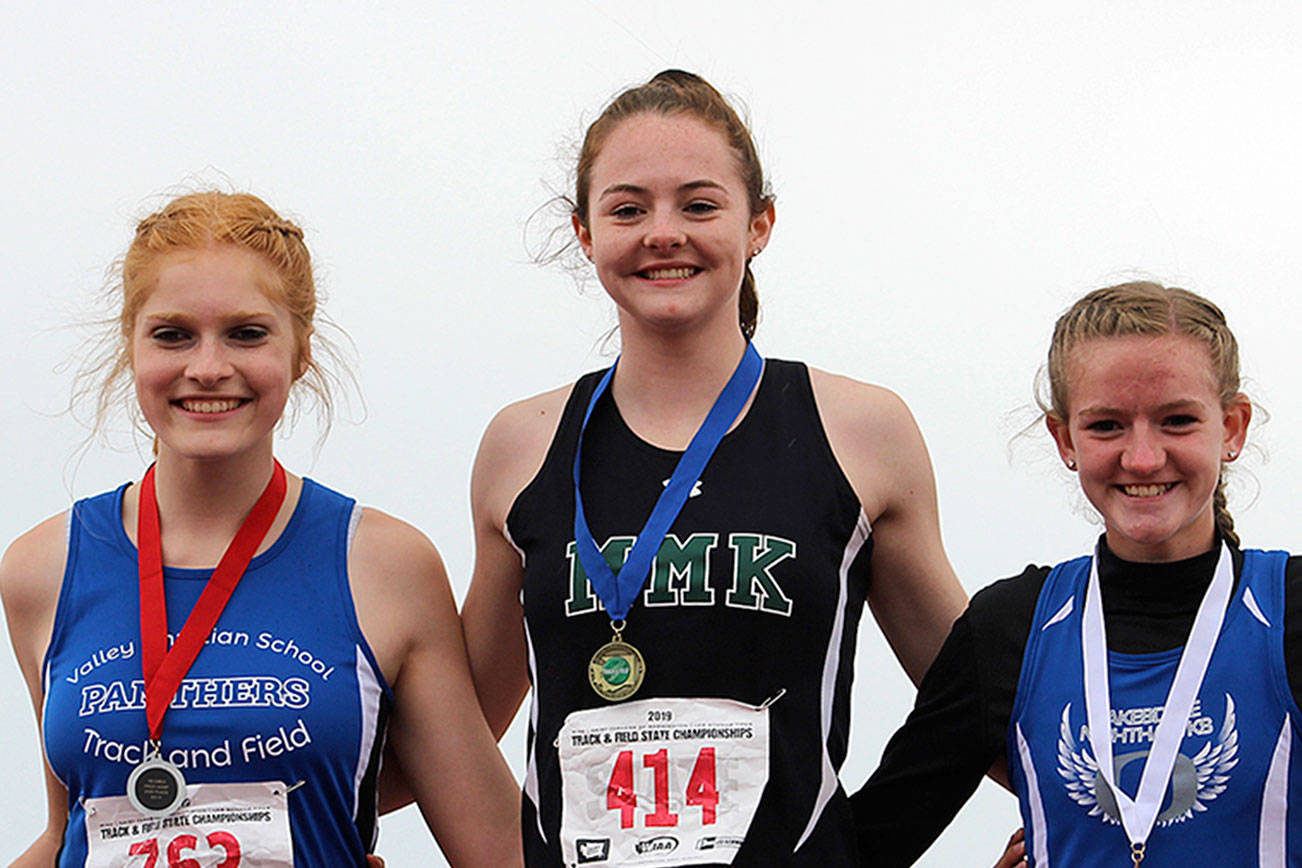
{"x":617,"y":592}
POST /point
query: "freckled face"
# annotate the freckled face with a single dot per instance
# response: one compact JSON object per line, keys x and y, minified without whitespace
{"x":213,"y":356}
{"x":669,"y":226}
{"x":1147,"y":433}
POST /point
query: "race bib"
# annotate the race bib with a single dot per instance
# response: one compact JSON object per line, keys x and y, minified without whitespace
{"x":661,"y":781}
{"x":219,"y":826}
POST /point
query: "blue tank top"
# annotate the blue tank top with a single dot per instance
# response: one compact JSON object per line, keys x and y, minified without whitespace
{"x":286,"y":689}
{"x":1228,"y":798}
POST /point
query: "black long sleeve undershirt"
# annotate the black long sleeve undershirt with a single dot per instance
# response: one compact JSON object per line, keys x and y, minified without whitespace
{"x":957,"y":728}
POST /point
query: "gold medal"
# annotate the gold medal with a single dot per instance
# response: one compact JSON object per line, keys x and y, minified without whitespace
{"x":616,"y":670}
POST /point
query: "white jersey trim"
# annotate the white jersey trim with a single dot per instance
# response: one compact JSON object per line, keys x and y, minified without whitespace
{"x":1039,"y":831}
{"x":68,"y":515}
{"x":354,"y":519}
{"x":531,"y":770}
{"x":506,"y":532}
{"x":1061,"y":614}
{"x":1272,"y":839}
{"x":831,"y":665}
{"x":1251,"y":602}
{"x":45,"y":699}
{"x":368,"y":697}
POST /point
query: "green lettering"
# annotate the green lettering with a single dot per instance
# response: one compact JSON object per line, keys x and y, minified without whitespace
{"x":754,"y":556}
{"x":581,"y":599}
{"x":679,"y":564}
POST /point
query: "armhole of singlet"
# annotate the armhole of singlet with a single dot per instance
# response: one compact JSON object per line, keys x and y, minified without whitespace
{"x":803,"y":378}
{"x":580,"y":391}
{"x":1273,"y":568}
{"x":71,"y":537}
{"x":374,"y":718}
{"x":349,"y":521}
{"x":1029,"y":673}
{"x":1285,"y":686}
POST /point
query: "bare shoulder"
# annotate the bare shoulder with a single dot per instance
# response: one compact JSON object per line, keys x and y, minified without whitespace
{"x":400,"y":590}
{"x":526,"y":426}
{"x":873,"y":437}
{"x":32,"y":569}
{"x":391,"y":551}
{"x":847,"y":403}
{"x":513,"y":449}
{"x":31,"y":576}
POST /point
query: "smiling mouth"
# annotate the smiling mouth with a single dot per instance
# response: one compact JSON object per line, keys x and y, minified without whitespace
{"x":1154,"y":490}
{"x":679,"y":273}
{"x":224,"y":405}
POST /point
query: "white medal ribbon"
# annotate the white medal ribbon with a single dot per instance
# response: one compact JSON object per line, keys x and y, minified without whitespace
{"x":1139,"y":814}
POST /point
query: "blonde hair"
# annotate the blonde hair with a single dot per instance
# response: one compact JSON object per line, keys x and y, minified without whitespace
{"x":190,"y":222}
{"x":1151,"y":309}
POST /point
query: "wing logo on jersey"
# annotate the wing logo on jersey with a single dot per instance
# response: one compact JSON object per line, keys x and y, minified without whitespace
{"x":1195,"y":781}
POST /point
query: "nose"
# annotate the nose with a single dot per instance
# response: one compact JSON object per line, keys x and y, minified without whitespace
{"x":209,"y":364}
{"x":665,"y":232}
{"x":1144,"y":452}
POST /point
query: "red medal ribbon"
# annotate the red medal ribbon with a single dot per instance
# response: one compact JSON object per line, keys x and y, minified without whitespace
{"x":163,"y":668}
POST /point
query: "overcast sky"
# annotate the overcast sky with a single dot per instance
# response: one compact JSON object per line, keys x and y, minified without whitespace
{"x":948,"y":180}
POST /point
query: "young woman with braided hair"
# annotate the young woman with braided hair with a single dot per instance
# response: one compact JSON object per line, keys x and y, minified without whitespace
{"x":1146,"y":698}
{"x":691,"y":688}
{"x":216,"y":652}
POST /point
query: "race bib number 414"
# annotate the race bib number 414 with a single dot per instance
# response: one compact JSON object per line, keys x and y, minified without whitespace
{"x":661,"y":781}
{"x":219,"y":826}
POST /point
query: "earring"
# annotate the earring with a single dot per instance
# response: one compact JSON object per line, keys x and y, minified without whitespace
{"x":756,"y":252}
{"x":1231,"y":455}
{"x":1071,"y":463}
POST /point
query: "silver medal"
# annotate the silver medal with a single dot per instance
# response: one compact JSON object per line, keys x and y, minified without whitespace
{"x":156,"y":788}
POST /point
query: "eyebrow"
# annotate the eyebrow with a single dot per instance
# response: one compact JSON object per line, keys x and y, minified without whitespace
{"x":169,"y":316}
{"x":1170,"y":406}
{"x":634,"y":188}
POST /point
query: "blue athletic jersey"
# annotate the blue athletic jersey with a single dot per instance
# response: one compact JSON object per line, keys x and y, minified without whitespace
{"x":1238,"y":767}
{"x":286,"y":689}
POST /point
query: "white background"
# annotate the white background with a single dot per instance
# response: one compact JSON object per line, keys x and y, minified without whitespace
{"x":948,"y":180}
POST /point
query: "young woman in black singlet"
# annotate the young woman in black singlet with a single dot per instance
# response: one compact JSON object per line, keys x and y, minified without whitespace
{"x":820,"y":496}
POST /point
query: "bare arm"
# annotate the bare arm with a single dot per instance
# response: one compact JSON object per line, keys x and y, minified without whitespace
{"x":914,"y":594}
{"x":1015,"y":853}
{"x":466,"y":792}
{"x":30,"y":577}
{"x":510,"y":455}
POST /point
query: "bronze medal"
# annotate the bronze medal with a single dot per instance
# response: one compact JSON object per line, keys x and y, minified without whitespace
{"x":616,"y":670}
{"x":156,"y":788}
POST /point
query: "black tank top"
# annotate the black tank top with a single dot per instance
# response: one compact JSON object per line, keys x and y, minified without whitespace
{"x":758,"y":589}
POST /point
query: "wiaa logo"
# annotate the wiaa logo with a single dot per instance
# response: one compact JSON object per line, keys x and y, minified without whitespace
{"x":659,"y":844}
{"x":593,"y":849}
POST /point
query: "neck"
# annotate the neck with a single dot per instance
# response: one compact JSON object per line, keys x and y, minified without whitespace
{"x":665,"y":385}
{"x":677,"y":365}
{"x":202,"y":504}
{"x":210,"y":492}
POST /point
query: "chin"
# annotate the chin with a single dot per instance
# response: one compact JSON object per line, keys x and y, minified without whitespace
{"x":209,"y":452}
{"x":1158,"y":543}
